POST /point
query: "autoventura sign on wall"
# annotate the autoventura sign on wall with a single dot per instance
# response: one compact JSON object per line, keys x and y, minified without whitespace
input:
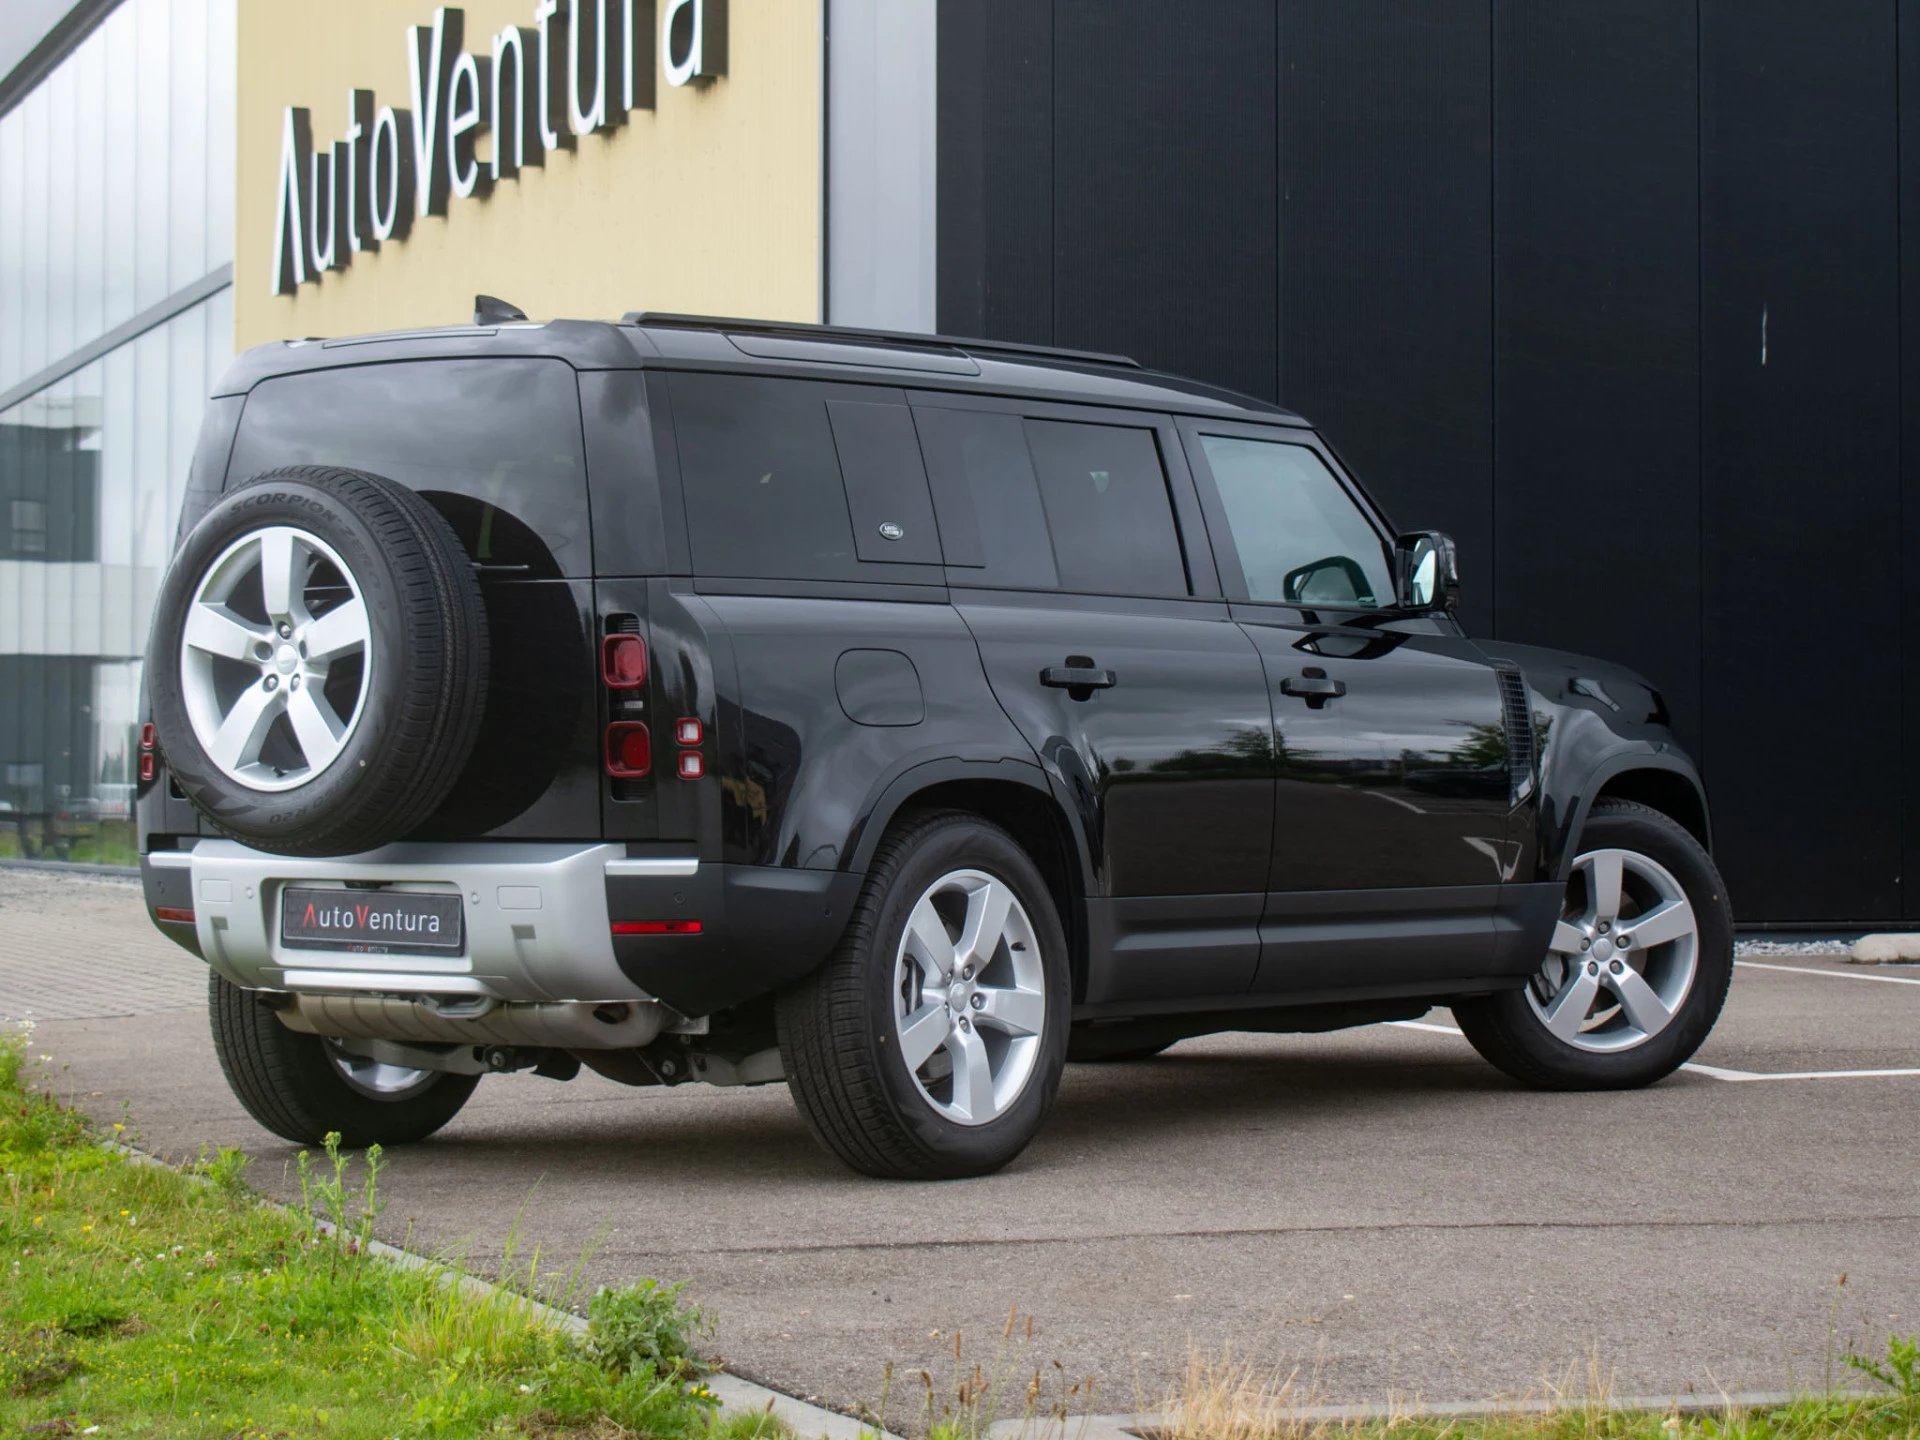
{"x":583,"y":66}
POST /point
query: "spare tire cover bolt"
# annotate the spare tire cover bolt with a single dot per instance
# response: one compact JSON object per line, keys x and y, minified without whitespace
{"x":1593,"y":967}
{"x":285,"y":630}
{"x":272,"y":682}
{"x":978,"y":1001}
{"x":294,"y":683}
{"x":1616,"y":967}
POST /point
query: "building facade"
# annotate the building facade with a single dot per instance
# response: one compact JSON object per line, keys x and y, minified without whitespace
{"x":1621,"y":296}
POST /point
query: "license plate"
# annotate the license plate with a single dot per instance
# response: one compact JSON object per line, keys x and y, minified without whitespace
{"x":374,"y":922}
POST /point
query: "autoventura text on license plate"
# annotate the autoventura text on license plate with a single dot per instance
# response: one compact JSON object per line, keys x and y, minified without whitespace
{"x":371,"y":920}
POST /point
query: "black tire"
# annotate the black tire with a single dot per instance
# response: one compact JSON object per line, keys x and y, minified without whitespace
{"x":423,"y":699}
{"x":837,"y":1027}
{"x":1087,"y":1048}
{"x":1504,"y":1028}
{"x":287,"y":1082}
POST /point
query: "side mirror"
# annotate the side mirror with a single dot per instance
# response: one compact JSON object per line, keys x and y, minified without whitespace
{"x":1336,"y":580}
{"x":1426,"y":572}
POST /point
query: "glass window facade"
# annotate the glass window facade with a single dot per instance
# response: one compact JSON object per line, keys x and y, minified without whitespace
{"x":116,"y":195}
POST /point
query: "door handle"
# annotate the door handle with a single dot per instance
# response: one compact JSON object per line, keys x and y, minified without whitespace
{"x":1312,"y":687}
{"x":1079,"y":677}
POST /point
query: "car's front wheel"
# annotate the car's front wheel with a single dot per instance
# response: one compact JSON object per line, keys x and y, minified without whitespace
{"x":930,"y":1045}
{"x":1636,"y":970}
{"x":303,"y":1087}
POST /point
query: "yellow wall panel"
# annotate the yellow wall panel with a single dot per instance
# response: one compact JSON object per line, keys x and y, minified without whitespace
{"x":710,"y":202}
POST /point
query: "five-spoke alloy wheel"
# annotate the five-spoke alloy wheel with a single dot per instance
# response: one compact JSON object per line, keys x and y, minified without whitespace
{"x":277,"y":631}
{"x":1637,"y":966}
{"x":970,"y":996}
{"x":931,"y":1043}
{"x":1622,"y":961}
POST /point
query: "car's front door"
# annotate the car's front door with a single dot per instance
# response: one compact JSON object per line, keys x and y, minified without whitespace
{"x":1076,"y":555}
{"x":1394,"y":769}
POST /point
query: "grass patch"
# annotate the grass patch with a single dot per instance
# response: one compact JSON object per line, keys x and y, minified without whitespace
{"x":148,"y":1301}
{"x":1230,"y":1400}
{"x":1221,"y":1398}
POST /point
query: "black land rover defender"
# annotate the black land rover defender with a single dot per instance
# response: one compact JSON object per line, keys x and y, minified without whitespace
{"x":898,"y":716}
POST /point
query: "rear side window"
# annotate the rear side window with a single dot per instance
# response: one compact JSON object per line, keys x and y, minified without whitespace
{"x":1107,"y":508}
{"x":495,"y":444}
{"x":789,"y":480}
{"x":1052,"y":505}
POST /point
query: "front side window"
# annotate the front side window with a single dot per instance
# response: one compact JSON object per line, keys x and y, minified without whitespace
{"x":1300,"y":537}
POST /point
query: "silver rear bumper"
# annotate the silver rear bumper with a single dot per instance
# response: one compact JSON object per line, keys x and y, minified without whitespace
{"x":536,"y":918}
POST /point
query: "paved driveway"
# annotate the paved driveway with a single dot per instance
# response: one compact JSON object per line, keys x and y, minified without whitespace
{"x":1376,"y":1208}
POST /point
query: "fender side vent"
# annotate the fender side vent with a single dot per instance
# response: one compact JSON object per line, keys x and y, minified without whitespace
{"x":1519,"y":721}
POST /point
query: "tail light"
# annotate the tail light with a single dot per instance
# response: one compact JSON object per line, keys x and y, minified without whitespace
{"x":656,"y":927}
{"x":623,"y":662}
{"x":149,"y":762}
{"x":629,"y":750}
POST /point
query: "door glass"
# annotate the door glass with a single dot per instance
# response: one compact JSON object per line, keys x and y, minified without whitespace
{"x":1300,"y":537}
{"x":1108,"y":512}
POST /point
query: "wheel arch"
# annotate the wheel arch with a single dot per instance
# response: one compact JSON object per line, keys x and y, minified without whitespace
{"x":1660,"y":782}
{"x":1014,"y":796}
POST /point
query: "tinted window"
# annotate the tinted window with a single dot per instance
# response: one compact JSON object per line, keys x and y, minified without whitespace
{"x":1300,"y":536}
{"x":988,"y":501}
{"x":761,"y":479}
{"x":1107,"y":509}
{"x":495,"y":444}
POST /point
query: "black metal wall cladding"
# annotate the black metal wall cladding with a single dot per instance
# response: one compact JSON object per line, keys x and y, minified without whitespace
{"x":1620,"y":295}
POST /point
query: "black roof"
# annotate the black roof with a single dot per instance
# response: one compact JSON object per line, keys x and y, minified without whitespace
{"x":649,"y":340}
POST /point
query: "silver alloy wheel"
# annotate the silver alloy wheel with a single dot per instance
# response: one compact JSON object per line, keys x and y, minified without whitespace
{"x":969,"y":996}
{"x":376,"y":1079}
{"x":1622,"y":957}
{"x":265,"y":677}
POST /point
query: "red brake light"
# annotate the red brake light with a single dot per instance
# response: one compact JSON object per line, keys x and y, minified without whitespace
{"x":147,"y":736}
{"x":656,"y":927}
{"x":623,"y":661}
{"x":629,"y":750}
{"x":173,"y":915}
{"x":148,"y":768}
{"x":688,"y":731}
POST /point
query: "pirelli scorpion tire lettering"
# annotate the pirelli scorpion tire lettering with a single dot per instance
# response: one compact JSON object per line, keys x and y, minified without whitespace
{"x":318,"y":662}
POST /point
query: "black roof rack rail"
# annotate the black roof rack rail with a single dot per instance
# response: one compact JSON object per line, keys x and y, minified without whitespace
{"x":804,"y":330}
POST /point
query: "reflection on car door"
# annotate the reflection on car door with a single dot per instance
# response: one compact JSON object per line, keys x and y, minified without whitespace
{"x":1394,"y":777}
{"x":1063,"y":531}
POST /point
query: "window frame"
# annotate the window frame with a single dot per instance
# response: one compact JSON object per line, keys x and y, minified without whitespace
{"x":1189,"y":519}
{"x":1220,"y":530}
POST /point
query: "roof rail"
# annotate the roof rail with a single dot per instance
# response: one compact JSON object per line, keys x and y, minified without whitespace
{"x":803,"y":330}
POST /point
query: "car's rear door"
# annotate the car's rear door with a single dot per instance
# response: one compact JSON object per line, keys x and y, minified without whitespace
{"x":1395,"y":773}
{"x":1075,"y":553}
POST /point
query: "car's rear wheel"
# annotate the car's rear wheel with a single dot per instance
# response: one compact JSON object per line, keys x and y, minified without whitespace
{"x":302,"y":1087}
{"x":930,"y":1045}
{"x":1636,"y":971}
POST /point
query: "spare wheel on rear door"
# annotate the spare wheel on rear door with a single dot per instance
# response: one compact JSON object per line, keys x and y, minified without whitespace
{"x":318,"y":662}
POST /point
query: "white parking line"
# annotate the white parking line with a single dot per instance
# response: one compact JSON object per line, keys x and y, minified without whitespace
{"x":1715,"y":1072}
{"x":1718,"y":1074}
{"x":1830,"y":974}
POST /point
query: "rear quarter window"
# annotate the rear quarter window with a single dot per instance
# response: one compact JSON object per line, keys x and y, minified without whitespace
{"x":791,"y":480}
{"x":494,"y":444}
